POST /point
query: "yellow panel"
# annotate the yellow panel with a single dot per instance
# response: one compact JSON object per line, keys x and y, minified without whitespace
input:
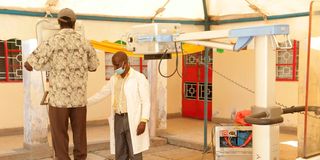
{"x":110,"y":47}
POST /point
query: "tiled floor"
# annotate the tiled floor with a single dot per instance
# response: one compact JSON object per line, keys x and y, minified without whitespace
{"x":95,"y":133}
{"x":165,"y":152}
{"x":189,"y":131}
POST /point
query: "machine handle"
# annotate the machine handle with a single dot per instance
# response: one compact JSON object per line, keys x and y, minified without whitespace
{"x":43,"y":101}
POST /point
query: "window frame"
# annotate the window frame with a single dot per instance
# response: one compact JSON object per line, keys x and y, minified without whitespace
{"x":6,"y":57}
{"x":294,"y":64}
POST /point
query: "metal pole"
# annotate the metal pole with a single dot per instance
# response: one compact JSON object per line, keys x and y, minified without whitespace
{"x":305,"y":129}
{"x":206,"y":28}
{"x":205,"y":96}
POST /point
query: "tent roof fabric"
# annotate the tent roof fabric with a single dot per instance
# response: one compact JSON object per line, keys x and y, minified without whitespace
{"x":272,"y":7}
{"x":175,"y":9}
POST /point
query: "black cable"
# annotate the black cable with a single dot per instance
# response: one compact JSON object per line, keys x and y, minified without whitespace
{"x":159,"y":70}
{"x":177,"y":63}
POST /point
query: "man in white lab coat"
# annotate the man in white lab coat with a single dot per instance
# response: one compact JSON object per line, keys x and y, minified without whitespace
{"x":130,"y":109}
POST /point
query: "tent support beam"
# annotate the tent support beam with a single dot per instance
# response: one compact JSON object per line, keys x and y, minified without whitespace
{"x":206,"y":71}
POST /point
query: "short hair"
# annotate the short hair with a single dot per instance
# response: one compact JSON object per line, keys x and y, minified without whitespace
{"x":121,"y":55}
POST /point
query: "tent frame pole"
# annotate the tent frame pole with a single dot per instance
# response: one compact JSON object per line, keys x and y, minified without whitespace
{"x":206,"y":60}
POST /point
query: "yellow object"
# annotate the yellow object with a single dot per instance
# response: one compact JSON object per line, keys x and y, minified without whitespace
{"x":110,"y":47}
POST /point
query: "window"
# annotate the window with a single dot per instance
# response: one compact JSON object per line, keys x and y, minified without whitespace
{"x":10,"y":61}
{"x":287,"y":63}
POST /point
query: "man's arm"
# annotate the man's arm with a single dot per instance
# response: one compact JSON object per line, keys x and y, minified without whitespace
{"x":39,"y":58}
{"x":144,"y":92}
{"x":93,"y":61}
{"x":99,"y":96}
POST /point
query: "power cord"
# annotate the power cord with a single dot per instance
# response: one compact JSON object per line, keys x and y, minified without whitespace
{"x":159,"y":65}
{"x":177,"y":63}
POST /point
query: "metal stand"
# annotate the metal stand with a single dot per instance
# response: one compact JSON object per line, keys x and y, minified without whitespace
{"x":266,"y":137}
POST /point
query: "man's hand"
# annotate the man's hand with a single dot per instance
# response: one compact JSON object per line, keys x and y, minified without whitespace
{"x":28,"y":66}
{"x":141,"y":128}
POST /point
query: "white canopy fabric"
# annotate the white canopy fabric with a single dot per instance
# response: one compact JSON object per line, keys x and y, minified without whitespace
{"x":271,"y":7}
{"x":175,"y":9}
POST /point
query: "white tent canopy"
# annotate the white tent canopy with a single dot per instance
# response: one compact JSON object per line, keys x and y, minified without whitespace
{"x":270,"y":7}
{"x":175,"y":9}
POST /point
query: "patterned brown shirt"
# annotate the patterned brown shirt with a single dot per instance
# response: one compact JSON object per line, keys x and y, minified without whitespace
{"x":68,"y":56}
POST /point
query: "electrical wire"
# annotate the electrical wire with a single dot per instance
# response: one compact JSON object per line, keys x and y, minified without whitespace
{"x":233,"y":81}
{"x":176,"y":70}
{"x":159,"y":65}
{"x":240,"y":85}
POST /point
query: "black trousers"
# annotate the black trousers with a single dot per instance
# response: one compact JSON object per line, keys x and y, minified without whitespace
{"x":123,"y":141}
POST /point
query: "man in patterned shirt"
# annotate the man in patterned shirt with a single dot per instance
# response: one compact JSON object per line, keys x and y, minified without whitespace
{"x":68,"y":56}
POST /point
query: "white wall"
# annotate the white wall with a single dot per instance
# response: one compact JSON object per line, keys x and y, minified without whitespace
{"x":21,"y":27}
{"x":11,"y":105}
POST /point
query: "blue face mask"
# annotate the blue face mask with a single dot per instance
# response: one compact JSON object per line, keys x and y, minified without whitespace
{"x":120,"y":70}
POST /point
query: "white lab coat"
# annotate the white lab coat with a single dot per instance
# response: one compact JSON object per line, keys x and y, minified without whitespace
{"x":137,"y":92}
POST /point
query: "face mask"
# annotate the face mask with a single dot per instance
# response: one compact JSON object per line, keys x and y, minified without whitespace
{"x":120,"y":70}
